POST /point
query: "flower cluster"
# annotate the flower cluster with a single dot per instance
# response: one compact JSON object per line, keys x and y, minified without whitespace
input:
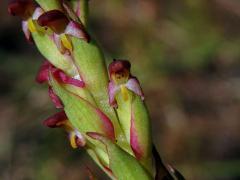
{"x":101,"y":111}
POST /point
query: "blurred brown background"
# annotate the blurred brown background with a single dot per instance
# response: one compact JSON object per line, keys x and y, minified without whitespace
{"x":186,"y":55}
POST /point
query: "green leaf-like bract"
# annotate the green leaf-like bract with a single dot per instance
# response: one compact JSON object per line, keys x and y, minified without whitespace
{"x":48,"y":5}
{"x":135,"y":109}
{"x":123,"y":165}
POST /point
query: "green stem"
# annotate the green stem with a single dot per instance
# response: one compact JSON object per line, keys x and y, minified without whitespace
{"x":49,"y":5}
{"x":84,"y":10}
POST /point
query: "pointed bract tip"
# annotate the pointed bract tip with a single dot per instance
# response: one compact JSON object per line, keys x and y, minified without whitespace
{"x":56,"y":120}
{"x":54,"y":19}
{"x":22,"y":8}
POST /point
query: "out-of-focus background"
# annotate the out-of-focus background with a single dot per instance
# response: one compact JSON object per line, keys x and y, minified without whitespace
{"x":186,"y":55}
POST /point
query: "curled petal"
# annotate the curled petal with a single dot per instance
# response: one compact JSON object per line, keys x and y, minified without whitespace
{"x":56,"y":120}
{"x":80,"y":140}
{"x":37,"y":13}
{"x":55,"y":99}
{"x":54,"y":19}
{"x":76,"y":139}
{"x":22,"y":8}
{"x":77,"y":30}
{"x":134,"y":85}
{"x":112,"y":90}
{"x":61,"y":77}
{"x":43,"y":73}
{"x":26,"y":31}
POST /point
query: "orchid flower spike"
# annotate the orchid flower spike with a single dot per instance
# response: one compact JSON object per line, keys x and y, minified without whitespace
{"x":106,"y":115}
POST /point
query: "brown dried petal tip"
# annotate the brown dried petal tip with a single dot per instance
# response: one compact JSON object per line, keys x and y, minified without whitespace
{"x":119,"y":66}
{"x":54,"y":19}
{"x":22,"y":8}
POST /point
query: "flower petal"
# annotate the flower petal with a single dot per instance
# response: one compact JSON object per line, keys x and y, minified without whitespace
{"x":80,"y":139}
{"x":76,"y":139}
{"x":26,"y":31}
{"x":118,"y":66}
{"x":77,"y":30}
{"x":112,"y":90}
{"x":37,"y":13}
{"x":43,"y":73}
{"x":134,"y":85}
{"x":56,"y":120}
{"x":54,"y":19}
{"x":61,"y":77}
{"x":55,"y":99}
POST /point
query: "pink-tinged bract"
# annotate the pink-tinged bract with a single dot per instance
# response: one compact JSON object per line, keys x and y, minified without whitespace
{"x":108,"y":126}
{"x":134,"y":139}
{"x":55,"y":99}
